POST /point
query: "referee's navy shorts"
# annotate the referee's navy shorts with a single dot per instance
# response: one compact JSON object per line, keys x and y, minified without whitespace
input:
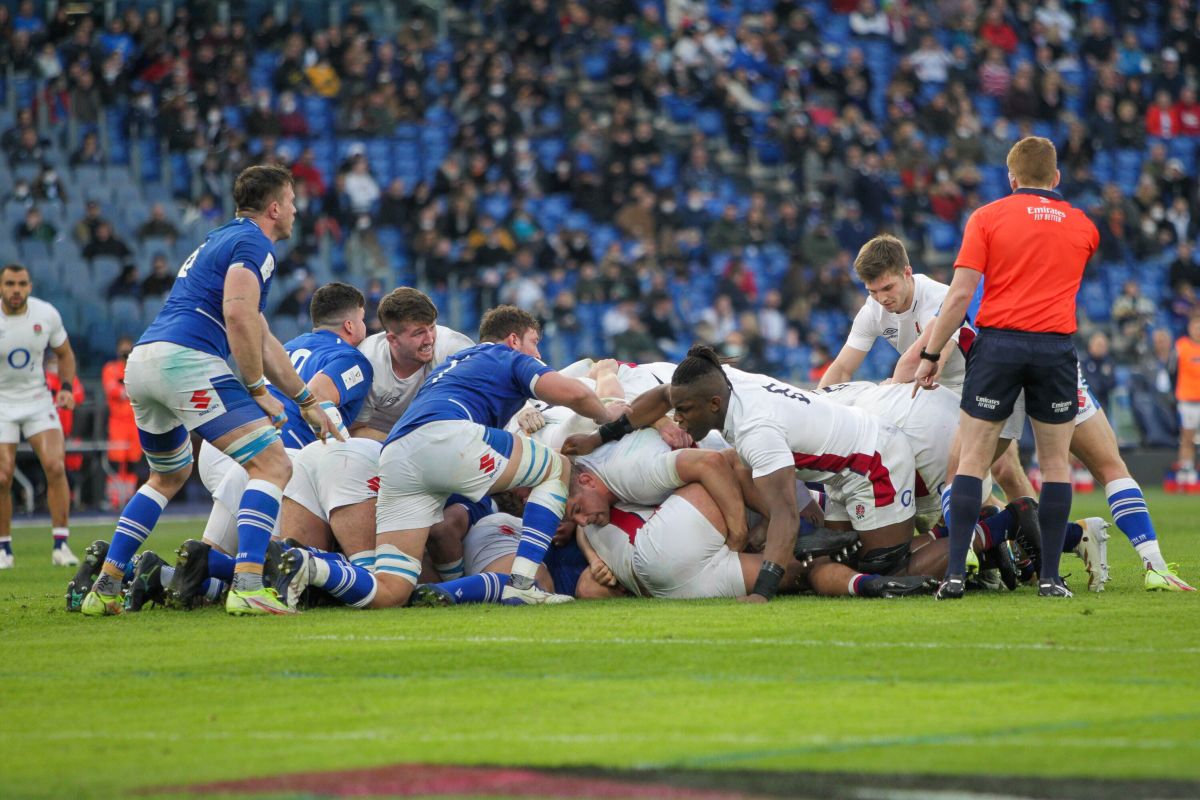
{"x":1002,"y":362}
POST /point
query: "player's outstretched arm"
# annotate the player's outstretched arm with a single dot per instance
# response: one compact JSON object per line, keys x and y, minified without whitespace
{"x":779,"y":490}
{"x":647,"y":409}
{"x":843,"y":367}
{"x":557,"y":390}
{"x":710,"y":469}
{"x":949,"y":319}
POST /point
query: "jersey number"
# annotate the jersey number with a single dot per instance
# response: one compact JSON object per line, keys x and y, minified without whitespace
{"x":183,"y":271}
{"x":299,"y":357}
{"x":786,"y":391}
{"x":454,"y":362}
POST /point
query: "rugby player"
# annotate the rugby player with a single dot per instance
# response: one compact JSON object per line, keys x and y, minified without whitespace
{"x":451,"y":441}
{"x":783,"y":434}
{"x":27,"y":327}
{"x":179,"y":381}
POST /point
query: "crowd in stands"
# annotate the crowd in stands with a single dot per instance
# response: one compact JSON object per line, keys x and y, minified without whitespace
{"x":640,"y":173}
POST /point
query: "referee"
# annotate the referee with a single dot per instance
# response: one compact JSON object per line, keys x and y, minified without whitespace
{"x":1032,"y":247}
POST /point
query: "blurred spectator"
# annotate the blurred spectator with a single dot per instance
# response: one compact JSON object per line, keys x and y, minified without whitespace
{"x":1132,"y":306}
{"x":1184,"y":269}
{"x":1099,"y":369}
{"x":1152,"y":395}
{"x":820,"y":361}
{"x":126,"y":284}
{"x":34,"y":229}
{"x":106,"y":243}
{"x":85,"y":230}
{"x":160,"y":280}
{"x":158,"y":226}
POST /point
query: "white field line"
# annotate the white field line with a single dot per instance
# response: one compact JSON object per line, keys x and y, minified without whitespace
{"x":753,"y":641}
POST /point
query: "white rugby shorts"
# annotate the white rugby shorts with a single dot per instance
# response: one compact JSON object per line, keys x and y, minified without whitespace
{"x":679,"y":554}
{"x":19,"y":420}
{"x":493,"y":537}
{"x":330,"y":475}
{"x":870,"y":502}
{"x":419,"y":472}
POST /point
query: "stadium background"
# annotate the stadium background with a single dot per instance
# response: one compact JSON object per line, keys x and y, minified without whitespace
{"x":638,"y":174}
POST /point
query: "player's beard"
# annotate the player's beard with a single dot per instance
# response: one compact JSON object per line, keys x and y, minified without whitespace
{"x":8,"y":307}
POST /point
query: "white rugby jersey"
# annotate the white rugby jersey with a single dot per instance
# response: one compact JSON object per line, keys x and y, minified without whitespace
{"x":614,"y":542}
{"x":391,"y":395}
{"x":901,"y":330}
{"x":774,"y":425}
{"x":23,"y":342}
{"x":638,"y":468}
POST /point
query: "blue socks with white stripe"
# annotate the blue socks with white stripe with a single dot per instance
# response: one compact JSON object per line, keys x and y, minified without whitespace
{"x":353,"y":585}
{"x":137,"y":520}
{"x":538,"y":526}
{"x":255,"y":522}
{"x":486,"y":587}
{"x":1128,"y":507}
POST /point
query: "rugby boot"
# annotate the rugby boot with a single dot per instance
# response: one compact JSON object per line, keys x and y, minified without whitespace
{"x":146,"y":585}
{"x":1093,"y":549}
{"x":532,"y":596}
{"x":825,"y":542}
{"x":273,"y":563}
{"x":431,"y":595}
{"x":292,"y":576}
{"x":262,"y":602}
{"x":1166,"y":581}
{"x":191,"y":571}
{"x":888,"y":586}
{"x":1002,"y":559}
{"x":85,"y":576}
{"x":951,"y":588}
{"x":1056,"y":587}
{"x":1028,"y":531}
{"x":62,"y":556}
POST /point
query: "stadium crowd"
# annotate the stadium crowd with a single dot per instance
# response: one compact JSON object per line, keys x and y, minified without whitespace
{"x":637,"y":174}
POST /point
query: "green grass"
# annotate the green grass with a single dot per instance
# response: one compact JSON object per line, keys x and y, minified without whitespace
{"x":1101,"y":686}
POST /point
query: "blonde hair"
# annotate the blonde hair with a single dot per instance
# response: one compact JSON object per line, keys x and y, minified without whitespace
{"x":1033,"y":161}
{"x":883,"y":254}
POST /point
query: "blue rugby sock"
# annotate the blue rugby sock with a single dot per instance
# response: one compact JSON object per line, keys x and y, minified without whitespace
{"x":538,"y":526}
{"x":220,"y":565}
{"x":138,"y":519}
{"x":966,"y":495}
{"x":6,"y":545}
{"x":1054,"y":509}
{"x":1129,"y":512}
{"x":255,"y":522}
{"x":997,"y":527}
{"x":1073,"y":538}
{"x":485,"y":587}
{"x":353,"y":585}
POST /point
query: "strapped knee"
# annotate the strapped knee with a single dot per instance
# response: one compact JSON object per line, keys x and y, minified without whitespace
{"x":884,"y":560}
{"x":538,"y":464}
{"x":245,"y":448}
{"x":389,"y":560}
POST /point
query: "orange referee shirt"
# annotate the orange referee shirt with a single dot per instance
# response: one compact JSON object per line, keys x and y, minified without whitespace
{"x":1187,"y":379}
{"x":1031,"y":247}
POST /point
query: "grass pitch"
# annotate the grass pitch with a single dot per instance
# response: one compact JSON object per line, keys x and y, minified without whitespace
{"x":1101,"y":686}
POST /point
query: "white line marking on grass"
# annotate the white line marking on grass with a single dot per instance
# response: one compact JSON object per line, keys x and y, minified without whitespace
{"x":756,"y":641}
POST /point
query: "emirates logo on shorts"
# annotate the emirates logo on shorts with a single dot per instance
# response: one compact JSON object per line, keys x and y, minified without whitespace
{"x":487,"y":464}
{"x":373,"y":484}
{"x":201,"y":400}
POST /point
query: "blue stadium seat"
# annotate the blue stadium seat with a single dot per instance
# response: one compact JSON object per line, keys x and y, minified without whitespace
{"x":126,"y":314}
{"x":943,"y":236}
{"x":104,"y":269}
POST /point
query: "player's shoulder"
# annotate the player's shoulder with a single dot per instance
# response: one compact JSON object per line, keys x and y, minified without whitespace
{"x":374,"y":346}
{"x":449,"y":342}
{"x":43,"y":310}
{"x":925,"y":283}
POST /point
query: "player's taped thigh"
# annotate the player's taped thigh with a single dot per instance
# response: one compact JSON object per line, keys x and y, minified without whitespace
{"x":885,"y":560}
{"x":541,"y":468}
{"x":245,"y":448}
{"x":391,"y":560}
{"x":167,"y":452}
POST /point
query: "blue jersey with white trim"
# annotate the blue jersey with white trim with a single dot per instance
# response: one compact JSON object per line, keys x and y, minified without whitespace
{"x":324,"y":352}
{"x":193,"y":315}
{"x":487,"y":383}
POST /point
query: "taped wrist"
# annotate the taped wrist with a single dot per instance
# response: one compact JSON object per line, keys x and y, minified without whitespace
{"x":611,"y":431}
{"x":769,"y":576}
{"x":305,"y":398}
{"x":257,"y":388}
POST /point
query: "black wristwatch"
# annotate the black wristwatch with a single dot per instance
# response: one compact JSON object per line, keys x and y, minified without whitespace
{"x":934,"y":357}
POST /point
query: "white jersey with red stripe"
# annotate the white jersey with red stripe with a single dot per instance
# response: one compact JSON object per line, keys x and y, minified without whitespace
{"x":773,"y":425}
{"x":614,"y":542}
